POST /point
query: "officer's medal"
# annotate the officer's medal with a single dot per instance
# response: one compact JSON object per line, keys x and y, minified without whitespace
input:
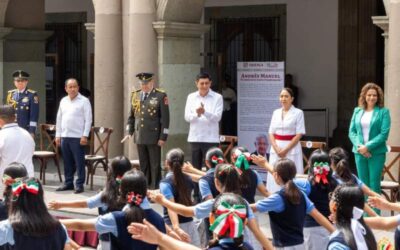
{"x":153,"y":101}
{"x":25,"y":99}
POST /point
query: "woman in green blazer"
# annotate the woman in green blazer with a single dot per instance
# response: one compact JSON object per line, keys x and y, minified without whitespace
{"x":369,"y":130}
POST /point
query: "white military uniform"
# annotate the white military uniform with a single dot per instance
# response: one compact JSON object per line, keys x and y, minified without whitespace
{"x":290,"y":125}
{"x":16,"y":145}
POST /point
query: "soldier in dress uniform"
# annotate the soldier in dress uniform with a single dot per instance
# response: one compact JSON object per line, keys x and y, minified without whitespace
{"x":25,"y":101}
{"x":149,"y":122}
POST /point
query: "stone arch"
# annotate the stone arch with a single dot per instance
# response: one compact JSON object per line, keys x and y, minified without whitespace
{"x":178,"y":11}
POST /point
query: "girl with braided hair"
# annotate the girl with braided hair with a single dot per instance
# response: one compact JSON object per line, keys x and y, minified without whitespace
{"x":133,"y":193}
{"x":177,"y":187}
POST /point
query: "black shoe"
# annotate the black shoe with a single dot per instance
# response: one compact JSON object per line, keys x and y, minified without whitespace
{"x":64,"y":188}
{"x":79,"y":190}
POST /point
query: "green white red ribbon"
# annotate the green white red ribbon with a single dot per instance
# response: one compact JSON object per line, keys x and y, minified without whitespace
{"x":118,"y":179}
{"x":229,"y":218}
{"x":321,"y":171}
{"x":30,"y":186}
{"x":242,"y":159}
{"x":217,"y":159}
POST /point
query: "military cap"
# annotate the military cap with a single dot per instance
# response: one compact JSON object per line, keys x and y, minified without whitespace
{"x":144,"y":78}
{"x":20,"y":74}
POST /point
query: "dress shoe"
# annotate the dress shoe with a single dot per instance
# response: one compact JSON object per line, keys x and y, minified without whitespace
{"x":64,"y":188}
{"x":78,"y":191}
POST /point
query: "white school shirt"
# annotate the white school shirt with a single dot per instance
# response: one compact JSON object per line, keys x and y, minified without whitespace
{"x":291,"y":124}
{"x":74,"y":117}
{"x":204,"y":128}
{"x":16,"y":145}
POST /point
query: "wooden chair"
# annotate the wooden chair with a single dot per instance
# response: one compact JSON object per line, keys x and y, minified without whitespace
{"x":390,"y":188}
{"x":307,"y":146}
{"x":227,"y":142}
{"x":48,"y":150}
{"x":99,"y":140}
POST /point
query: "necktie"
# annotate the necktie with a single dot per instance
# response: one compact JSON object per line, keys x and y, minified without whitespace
{"x":145,"y":96}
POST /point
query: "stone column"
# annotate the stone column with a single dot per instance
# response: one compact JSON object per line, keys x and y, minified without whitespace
{"x":140,"y":51}
{"x":108,"y":71}
{"x":383,"y":23}
{"x":393,"y":86}
{"x":178,"y":64}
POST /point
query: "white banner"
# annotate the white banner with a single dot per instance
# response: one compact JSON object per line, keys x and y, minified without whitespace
{"x":258,"y":87}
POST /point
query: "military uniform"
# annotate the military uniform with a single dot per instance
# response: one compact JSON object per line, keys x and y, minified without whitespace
{"x":149,"y":122}
{"x":26,"y":104}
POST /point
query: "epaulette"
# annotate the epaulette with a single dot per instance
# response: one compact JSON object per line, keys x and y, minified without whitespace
{"x":160,"y":90}
{"x":11,"y":91}
{"x":136,"y":90}
{"x":31,"y":91}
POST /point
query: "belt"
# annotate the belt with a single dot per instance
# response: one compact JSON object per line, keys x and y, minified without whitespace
{"x":284,"y":137}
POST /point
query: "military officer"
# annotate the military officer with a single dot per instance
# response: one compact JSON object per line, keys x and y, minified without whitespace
{"x":25,"y":101}
{"x":149,"y":122}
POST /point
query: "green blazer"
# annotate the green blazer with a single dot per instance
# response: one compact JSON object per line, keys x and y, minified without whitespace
{"x":378,"y":131}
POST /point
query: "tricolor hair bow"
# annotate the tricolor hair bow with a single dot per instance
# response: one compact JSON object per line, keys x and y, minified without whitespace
{"x":217,"y":159}
{"x":137,"y":199}
{"x":31,"y":186}
{"x":321,"y":171}
{"x":229,"y":218}
{"x":242,"y":159}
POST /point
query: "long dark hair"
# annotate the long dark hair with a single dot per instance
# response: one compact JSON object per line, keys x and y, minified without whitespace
{"x":175,"y":158}
{"x":245,"y":177}
{"x":228,"y":177}
{"x":14,"y":171}
{"x":341,"y":166}
{"x":319,"y":157}
{"x":133,"y":192}
{"x":231,"y":199}
{"x":119,"y":166}
{"x":214,"y":156}
{"x":346,"y":198}
{"x":28,"y":213}
{"x":286,"y":170}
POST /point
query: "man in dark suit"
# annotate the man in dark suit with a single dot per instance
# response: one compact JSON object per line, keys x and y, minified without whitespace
{"x":149,"y":122}
{"x":261,"y":144}
{"x":25,"y":102}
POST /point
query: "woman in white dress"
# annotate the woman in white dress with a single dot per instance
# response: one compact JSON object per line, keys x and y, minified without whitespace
{"x":285,"y":131}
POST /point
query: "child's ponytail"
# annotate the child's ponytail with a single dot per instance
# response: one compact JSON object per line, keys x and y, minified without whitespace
{"x":133,"y":192}
{"x":286,"y":170}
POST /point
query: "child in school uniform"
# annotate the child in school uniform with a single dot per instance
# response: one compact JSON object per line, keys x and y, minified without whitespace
{"x":29,"y":225}
{"x":226,"y":178}
{"x":317,"y":187}
{"x":107,"y":200}
{"x":287,"y":209}
{"x":14,"y":172}
{"x":346,"y":206}
{"x":250,"y":180}
{"x":214,"y":156}
{"x":229,"y":219}
{"x":343,"y":175}
{"x":177,"y":187}
{"x":133,"y":192}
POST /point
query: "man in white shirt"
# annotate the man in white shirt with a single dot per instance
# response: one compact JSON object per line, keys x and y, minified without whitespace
{"x":74,"y":120}
{"x":16,"y":144}
{"x":203,"y":111}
